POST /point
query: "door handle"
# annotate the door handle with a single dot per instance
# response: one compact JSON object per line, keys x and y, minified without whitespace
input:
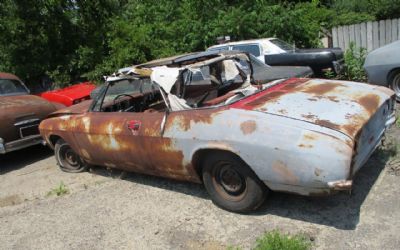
{"x":134,"y":125}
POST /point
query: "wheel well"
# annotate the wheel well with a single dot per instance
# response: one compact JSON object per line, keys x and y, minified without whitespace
{"x":391,"y":74}
{"x":200,"y":155}
{"x":53,"y":139}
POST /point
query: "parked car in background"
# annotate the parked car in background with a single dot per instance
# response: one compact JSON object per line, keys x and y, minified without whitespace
{"x":276,"y":52}
{"x":383,"y":67}
{"x":70,"y":95}
{"x":20,"y":114}
{"x":238,"y":137}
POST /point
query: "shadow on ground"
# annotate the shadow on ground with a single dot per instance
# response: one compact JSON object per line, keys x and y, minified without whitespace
{"x":18,"y":159}
{"x":341,"y":211}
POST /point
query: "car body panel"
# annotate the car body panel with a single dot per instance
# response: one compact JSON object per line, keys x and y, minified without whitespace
{"x":380,"y":62}
{"x":277,"y":131}
{"x":70,"y":95}
{"x":20,"y":115}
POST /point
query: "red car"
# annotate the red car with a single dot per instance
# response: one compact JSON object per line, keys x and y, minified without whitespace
{"x":70,"y":95}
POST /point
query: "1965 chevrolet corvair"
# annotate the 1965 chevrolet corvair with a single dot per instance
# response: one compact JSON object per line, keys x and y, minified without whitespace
{"x":202,"y":118}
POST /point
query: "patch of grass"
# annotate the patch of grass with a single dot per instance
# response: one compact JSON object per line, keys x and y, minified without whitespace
{"x":61,"y":189}
{"x":274,"y":240}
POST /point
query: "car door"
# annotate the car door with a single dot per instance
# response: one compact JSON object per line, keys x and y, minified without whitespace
{"x":126,"y":138}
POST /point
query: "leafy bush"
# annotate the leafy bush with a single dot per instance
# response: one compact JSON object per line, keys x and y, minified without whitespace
{"x":354,"y":58}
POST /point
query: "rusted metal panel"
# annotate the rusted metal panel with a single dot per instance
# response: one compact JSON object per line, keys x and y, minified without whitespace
{"x":345,"y":107}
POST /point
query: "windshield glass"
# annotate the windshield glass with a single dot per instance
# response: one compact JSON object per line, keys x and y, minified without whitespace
{"x":12,"y":87}
{"x":120,"y":90}
{"x":282,"y":44}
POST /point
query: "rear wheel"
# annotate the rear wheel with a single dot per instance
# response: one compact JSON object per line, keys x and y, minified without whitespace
{"x":67,"y":159}
{"x":394,"y":80}
{"x":231,"y":184}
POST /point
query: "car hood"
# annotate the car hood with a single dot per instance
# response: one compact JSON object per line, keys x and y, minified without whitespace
{"x":340,"y":105}
{"x":25,"y":104}
{"x":279,"y":72}
{"x":21,"y":108}
{"x":72,"y":92}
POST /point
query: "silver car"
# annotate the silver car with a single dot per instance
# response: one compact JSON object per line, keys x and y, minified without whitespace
{"x":383,"y":67}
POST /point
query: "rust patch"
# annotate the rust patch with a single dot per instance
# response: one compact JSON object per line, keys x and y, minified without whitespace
{"x":370,"y":102}
{"x":284,"y":173}
{"x":186,"y":119}
{"x":332,"y":98}
{"x":328,"y":124}
{"x":309,"y":137}
{"x":350,"y":129}
{"x":248,"y":127}
{"x":321,"y":89}
{"x":283,"y":111}
{"x":305,"y":146}
{"x":310,"y":117}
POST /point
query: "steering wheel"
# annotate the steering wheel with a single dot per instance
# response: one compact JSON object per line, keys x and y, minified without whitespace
{"x":121,"y":95}
{"x":202,"y":99}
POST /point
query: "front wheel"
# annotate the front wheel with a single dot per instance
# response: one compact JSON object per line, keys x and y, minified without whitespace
{"x":394,"y":80}
{"x":231,"y":184}
{"x":67,"y":159}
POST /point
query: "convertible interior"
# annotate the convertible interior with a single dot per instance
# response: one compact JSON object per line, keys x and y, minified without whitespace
{"x":211,"y":84}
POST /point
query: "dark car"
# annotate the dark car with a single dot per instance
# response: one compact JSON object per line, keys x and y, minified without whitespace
{"x":20,"y":114}
{"x":383,"y":67}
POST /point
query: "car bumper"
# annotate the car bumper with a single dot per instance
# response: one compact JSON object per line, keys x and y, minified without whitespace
{"x":19,"y":144}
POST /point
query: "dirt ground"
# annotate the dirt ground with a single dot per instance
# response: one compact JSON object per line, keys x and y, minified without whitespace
{"x":104,"y":210}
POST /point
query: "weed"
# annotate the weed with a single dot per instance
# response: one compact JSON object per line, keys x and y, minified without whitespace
{"x":274,"y":240}
{"x":398,"y":123}
{"x":354,"y":58}
{"x":61,"y":189}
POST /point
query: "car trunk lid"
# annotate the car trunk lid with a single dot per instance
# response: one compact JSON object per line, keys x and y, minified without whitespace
{"x":339,"y":105}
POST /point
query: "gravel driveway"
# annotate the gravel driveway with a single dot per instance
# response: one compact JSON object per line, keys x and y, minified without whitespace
{"x":110,"y":210}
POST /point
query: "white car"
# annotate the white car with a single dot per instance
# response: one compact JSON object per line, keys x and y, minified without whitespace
{"x":276,"y":52}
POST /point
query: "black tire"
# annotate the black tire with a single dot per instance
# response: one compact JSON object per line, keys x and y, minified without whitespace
{"x":231,"y":184}
{"x":394,"y":81}
{"x":67,"y":159}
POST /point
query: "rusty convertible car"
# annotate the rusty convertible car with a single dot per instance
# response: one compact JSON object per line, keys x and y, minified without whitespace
{"x":239,"y":138}
{"x":20,"y":114}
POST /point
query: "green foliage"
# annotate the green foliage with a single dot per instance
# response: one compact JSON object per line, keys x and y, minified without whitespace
{"x":69,"y":40}
{"x":60,"y":190}
{"x":354,"y":58}
{"x":277,"y":241}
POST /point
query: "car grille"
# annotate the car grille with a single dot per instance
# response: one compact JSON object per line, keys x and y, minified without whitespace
{"x":28,"y":127}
